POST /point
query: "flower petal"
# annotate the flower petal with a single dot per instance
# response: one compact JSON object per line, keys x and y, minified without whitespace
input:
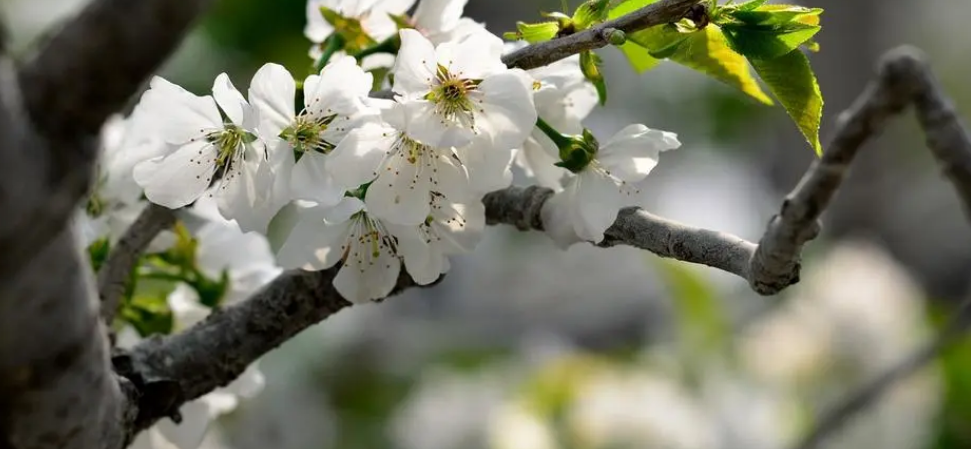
{"x":272,"y":91}
{"x":341,"y":88}
{"x":414,"y":70}
{"x":180,"y":115}
{"x":373,"y":279}
{"x":633,"y":152}
{"x":401,"y":192}
{"x":356,"y":158}
{"x":597,"y":201}
{"x":317,"y":28}
{"x":508,"y":114}
{"x":178,"y":179}
{"x":475,"y":57}
{"x":311,"y":180}
{"x":313,"y":244}
{"x":229,"y":99}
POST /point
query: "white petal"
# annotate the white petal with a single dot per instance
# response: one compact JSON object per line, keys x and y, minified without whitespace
{"x":488,"y":166}
{"x":558,"y":217}
{"x":360,"y":283}
{"x":423,"y":264}
{"x":317,"y":28}
{"x":356,"y":158}
{"x":433,"y":16}
{"x":475,"y":57}
{"x":427,"y":126}
{"x":195,"y":422}
{"x":228,"y":98}
{"x":401,"y":192}
{"x":311,"y":180}
{"x":598,"y":200}
{"x":340,"y":89}
{"x":633,"y":152}
{"x":415,"y":68}
{"x":272,"y":90}
{"x":460,"y":226}
{"x":178,"y":179}
{"x":536,"y":155}
{"x":240,"y":196}
{"x":185,"y":306}
{"x":181,"y":115}
{"x":453,"y":179}
{"x":312,"y":244}
{"x":508,"y":114}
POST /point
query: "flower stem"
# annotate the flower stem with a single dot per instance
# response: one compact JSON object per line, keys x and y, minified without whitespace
{"x":331,"y":45}
{"x":389,"y":45}
{"x":562,"y":141}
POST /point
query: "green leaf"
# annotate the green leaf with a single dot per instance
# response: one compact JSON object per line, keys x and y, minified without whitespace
{"x":590,"y":66}
{"x":639,"y":57}
{"x":791,"y":80}
{"x":147,"y":310}
{"x":98,"y":253}
{"x":627,"y":7}
{"x":660,"y":41}
{"x":748,"y":6}
{"x":591,"y":12}
{"x":536,"y":32}
{"x":768,"y":42}
{"x":707,"y":51}
{"x":773,"y":15}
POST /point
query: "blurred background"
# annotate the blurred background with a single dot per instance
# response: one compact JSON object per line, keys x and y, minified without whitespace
{"x":526,"y":346}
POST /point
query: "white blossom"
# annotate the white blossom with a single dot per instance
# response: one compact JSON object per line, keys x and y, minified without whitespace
{"x":371,"y":249}
{"x":441,"y":20}
{"x":589,"y":203}
{"x":563,"y":99}
{"x":404,"y":171}
{"x":371,"y":14}
{"x":458,"y":91}
{"x":203,"y":147}
{"x":333,"y":104}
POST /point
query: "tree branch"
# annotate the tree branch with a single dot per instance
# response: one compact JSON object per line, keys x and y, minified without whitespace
{"x":56,"y":387}
{"x":71,"y":86}
{"x":544,"y":53}
{"x":214,"y":352}
{"x":114,"y":274}
{"x":832,"y":420}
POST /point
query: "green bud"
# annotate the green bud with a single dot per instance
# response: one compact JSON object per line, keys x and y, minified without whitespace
{"x":615,"y":36}
{"x":578,"y":154}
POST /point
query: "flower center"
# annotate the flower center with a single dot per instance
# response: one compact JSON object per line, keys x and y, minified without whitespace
{"x":307,"y":133}
{"x":452,"y":96}
{"x":367,"y":241}
{"x":230,"y":143}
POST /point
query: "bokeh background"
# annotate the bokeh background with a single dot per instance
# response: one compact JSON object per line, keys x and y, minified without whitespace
{"x":524,"y":346}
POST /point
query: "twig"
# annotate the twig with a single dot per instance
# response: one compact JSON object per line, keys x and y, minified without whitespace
{"x":832,"y":420}
{"x":903,"y":78}
{"x":115,"y":273}
{"x":71,"y":86}
{"x":521,"y":207}
{"x":544,"y":53}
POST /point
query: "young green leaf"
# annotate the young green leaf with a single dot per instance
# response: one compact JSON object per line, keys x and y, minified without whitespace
{"x":590,"y":66}
{"x":627,"y":7}
{"x":590,"y":13}
{"x":791,"y":80}
{"x":770,"y":15}
{"x":748,"y":6}
{"x":639,"y":57}
{"x":535,"y":32}
{"x":707,"y":51}
{"x":660,"y":41}
{"x":767,"y":42}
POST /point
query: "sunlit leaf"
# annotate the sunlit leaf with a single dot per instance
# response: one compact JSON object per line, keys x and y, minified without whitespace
{"x":707,"y":51}
{"x":590,"y":13}
{"x":791,"y":80}
{"x":767,"y":42}
{"x":590,"y":66}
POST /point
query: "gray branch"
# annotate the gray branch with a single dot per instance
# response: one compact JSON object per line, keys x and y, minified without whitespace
{"x":545,"y":53}
{"x":57,"y":387}
{"x":116,"y":271}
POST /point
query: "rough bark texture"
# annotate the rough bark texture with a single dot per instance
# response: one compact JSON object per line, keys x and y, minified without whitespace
{"x":56,"y":383}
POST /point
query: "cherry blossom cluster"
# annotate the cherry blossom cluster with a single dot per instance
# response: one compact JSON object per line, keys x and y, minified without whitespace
{"x":331,"y":175}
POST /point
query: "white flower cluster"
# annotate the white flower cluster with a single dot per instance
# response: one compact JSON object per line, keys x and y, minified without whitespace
{"x":377,"y":183}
